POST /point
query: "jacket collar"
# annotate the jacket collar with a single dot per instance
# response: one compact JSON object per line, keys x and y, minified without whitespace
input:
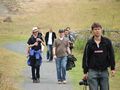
{"x":102,"y":40}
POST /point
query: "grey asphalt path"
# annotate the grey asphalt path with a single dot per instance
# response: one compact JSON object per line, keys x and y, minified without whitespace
{"x":48,"y":80}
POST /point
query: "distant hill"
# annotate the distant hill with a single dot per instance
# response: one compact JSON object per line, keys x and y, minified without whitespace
{"x":77,"y":14}
{"x":9,"y":6}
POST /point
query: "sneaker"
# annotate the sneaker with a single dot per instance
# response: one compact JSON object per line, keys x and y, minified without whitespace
{"x":34,"y":81}
{"x":38,"y":80}
{"x":64,"y":82}
{"x":59,"y":82}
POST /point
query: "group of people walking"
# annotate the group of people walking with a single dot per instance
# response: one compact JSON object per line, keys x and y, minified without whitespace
{"x":97,"y":57}
{"x":57,"y":48}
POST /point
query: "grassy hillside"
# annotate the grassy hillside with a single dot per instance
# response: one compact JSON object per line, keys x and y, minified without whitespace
{"x":77,"y":14}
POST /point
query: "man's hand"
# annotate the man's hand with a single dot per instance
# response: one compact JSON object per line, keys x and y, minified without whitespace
{"x":85,"y":77}
{"x":112,"y":73}
{"x":54,"y":56}
{"x":38,"y":39}
{"x":36,"y":44}
{"x":27,"y":55}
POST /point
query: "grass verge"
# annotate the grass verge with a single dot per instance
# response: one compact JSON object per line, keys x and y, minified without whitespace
{"x":11,"y":66}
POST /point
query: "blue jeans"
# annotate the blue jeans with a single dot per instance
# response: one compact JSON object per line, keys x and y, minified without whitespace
{"x":49,"y":52}
{"x":61,"y":68}
{"x":98,"y":79}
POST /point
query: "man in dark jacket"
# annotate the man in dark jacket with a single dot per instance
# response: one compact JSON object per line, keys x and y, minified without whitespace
{"x":49,"y":39}
{"x":98,"y":56}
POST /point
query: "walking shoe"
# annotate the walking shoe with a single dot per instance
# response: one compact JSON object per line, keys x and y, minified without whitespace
{"x":64,"y":81}
{"x":38,"y":80}
{"x":34,"y":81}
{"x":59,"y":82}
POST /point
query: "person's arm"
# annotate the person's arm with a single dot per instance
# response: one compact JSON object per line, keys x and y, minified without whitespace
{"x":68,"y":50}
{"x":43,"y":43}
{"x":55,"y":35}
{"x":54,"y":50}
{"x":84,"y":62}
{"x":112,"y":58}
{"x":46,"y":37}
{"x":41,"y":40}
{"x":68,"y":47}
{"x":43,"y":35}
{"x":54,"y":53}
{"x":30,"y":46}
{"x":85,"y":59}
{"x":27,"y":51}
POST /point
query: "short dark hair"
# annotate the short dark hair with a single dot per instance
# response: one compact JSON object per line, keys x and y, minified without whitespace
{"x":68,"y":28}
{"x":95,"y":25}
{"x":61,"y":31}
{"x":65,"y":30}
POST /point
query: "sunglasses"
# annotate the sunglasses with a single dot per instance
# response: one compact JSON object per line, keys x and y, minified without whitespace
{"x":35,"y":32}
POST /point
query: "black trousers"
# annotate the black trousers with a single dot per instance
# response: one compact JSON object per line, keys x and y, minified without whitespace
{"x":50,"y":52}
{"x":35,"y":72}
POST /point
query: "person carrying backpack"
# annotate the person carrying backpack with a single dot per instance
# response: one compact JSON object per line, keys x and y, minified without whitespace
{"x":69,"y":37}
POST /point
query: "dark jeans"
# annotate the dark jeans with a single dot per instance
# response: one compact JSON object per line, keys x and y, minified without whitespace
{"x":98,"y":79}
{"x":35,"y":72}
{"x":49,"y":52}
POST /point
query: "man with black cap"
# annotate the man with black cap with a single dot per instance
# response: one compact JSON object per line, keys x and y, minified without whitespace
{"x":60,"y":52}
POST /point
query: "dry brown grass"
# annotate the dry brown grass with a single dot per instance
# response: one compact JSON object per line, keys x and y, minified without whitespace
{"x":6,"y":83}
{"x":11,"y":65}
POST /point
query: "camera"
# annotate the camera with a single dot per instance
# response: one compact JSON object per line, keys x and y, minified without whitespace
{"x":83,"y":82}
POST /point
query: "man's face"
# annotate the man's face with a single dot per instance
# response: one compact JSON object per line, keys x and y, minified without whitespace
{"x":50,"y":30}
{"x":35,"y":33}
{"x":61,"y":34}
{"x":66,"y":32}
{"x":97,"y":31}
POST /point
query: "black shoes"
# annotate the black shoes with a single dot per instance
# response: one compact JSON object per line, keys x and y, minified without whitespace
{"x":36,"y":80}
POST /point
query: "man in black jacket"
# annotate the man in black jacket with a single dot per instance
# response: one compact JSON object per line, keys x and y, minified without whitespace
{"x":98,"y":56}
{"x":49,"y":39}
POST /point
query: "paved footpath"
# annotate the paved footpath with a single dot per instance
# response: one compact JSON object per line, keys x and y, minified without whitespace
{"x":48,"y":80}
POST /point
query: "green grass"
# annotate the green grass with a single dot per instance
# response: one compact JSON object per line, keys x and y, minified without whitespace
{"x":76,"y":74}
{"x":6,"y":38}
